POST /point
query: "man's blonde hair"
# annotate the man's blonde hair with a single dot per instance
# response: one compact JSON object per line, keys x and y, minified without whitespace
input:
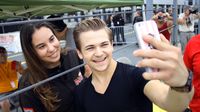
{"x":93,"y":24}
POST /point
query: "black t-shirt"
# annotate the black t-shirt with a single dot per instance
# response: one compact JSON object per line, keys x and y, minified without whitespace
{"x":63,"y":86}
{"x":118,"y":20}
{"x":124,"y":93}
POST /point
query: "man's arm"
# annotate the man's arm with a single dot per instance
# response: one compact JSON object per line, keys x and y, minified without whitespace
{"x":162,"y":95}
{"x":171,"y":71}
{"x":169,"y":17}
{"x":169,"y":25}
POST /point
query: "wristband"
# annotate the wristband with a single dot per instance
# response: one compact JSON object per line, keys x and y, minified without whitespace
{"x":187,"y":87}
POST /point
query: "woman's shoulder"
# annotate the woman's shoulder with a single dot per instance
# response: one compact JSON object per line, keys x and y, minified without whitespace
{"x":70,"y":57}
{"x":69,"y":54}
{"x":24,"y":81}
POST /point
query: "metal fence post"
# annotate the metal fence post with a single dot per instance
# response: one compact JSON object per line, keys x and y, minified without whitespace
{"x":133,"y":8}
{"x":198,"y":2}
{"x":175,"y":29}
{"x":149,"y":9}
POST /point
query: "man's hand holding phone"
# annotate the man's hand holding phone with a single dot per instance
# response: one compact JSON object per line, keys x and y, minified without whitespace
{"x":148,"y":28}
{"x":167,"y":59}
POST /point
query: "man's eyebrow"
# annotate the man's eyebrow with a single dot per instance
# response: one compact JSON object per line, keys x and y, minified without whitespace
{"x":89,"y":46}
{"x":105,"y":42}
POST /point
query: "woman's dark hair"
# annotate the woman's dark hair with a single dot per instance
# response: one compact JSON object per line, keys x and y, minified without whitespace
{"x":37,"y":70}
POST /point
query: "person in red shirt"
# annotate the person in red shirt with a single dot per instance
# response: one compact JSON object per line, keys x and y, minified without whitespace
{"x":192,"y":59}
{"x":163,"y":23}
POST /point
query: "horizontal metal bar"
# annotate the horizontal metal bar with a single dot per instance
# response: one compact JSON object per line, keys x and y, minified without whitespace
{"x":40,"y":83}
{"x":61,"y":18}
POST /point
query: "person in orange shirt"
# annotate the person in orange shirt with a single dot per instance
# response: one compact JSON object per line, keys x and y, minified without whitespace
{"x":8,"y":77}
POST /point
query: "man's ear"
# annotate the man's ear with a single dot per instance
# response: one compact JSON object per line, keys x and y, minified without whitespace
{"x":79,"y":54}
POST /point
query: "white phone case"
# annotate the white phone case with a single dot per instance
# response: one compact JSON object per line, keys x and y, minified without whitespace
{"x":146,"y":28}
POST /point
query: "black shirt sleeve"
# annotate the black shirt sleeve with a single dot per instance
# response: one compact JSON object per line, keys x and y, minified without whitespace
{"x":28,"y":100}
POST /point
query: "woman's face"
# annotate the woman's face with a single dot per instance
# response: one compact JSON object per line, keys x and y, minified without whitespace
{"x":46,"y":46}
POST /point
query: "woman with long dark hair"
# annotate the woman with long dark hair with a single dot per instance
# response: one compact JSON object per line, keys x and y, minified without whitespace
{"x":44,"y":59}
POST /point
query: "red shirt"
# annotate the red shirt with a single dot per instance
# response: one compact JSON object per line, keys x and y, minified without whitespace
{"x":192,"y":60}
{"x":165,"y":31}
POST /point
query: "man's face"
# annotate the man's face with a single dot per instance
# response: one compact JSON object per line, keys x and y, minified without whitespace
{"x":3,"y":58}
{"x":96,"y":49}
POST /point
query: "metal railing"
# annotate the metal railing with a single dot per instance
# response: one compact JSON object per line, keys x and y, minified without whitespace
{"x":118,"y":32}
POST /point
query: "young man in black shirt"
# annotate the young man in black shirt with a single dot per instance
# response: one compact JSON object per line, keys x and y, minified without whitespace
{"x":117,"y":87}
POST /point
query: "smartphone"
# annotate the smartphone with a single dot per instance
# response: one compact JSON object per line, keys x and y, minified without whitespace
{"x":146,"y":28}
